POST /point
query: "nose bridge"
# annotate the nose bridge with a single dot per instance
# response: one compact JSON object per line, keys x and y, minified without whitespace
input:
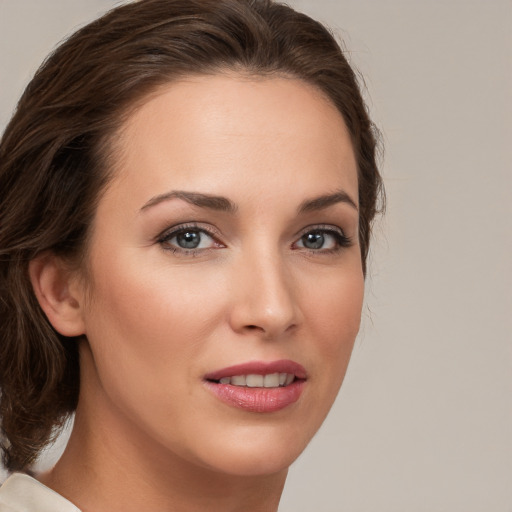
{"x":265,"y":300}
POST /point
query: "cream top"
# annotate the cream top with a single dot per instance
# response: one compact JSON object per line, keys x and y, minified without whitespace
{"x":22,"y":493}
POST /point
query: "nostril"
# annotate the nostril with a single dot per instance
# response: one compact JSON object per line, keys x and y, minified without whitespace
{"x":253,"y":328}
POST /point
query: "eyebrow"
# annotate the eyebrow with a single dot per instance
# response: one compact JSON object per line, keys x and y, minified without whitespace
{"x":322,"y":202}
{"x":211,"y":202}
{"x":223,"y":204}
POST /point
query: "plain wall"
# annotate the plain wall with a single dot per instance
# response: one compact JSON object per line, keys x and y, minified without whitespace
{"x":424,"y":418}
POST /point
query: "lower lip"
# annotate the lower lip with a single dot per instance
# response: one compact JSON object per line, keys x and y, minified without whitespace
{"x":257,"y":399}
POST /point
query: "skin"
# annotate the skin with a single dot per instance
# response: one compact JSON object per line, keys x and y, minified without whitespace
{"x":148,"y":435}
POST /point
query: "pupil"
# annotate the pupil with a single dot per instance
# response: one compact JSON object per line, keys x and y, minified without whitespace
{"x":313,"y":240}
{"x":188,"y":240}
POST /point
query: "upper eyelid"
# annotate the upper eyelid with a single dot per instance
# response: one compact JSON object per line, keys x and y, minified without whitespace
{"x":320,"y":227}
{"x":214,"y":233}
{"x":174,"y":230}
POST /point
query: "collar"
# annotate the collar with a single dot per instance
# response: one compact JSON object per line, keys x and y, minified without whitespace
{"x":22,"y":493}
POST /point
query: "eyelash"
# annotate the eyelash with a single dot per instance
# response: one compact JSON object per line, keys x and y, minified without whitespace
{"x":342,"y":240}
{"x":165,"y":238}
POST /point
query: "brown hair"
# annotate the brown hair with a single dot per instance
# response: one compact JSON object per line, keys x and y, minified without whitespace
{"x":54,"y":162}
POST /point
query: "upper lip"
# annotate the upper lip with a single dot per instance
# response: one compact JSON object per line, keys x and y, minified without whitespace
{"x":259,"y":368}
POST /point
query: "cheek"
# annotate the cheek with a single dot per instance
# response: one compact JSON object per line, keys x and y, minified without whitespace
{"x":150,"y":304}
{"x":146,"y":326}
{"x":335,"y":316}
{"x":343,"y":319}
{"x":334,"y":309}
{"x":144,"y":321}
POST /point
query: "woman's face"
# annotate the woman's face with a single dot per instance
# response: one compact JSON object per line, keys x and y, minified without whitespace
{"x":226,"y":247}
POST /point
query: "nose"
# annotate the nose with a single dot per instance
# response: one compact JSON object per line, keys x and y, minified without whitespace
{"x":264,"y":300}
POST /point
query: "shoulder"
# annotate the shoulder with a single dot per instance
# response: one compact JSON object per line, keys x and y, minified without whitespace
{"x":22,"y":493}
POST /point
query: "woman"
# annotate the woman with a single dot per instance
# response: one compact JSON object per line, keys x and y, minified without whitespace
{"x":188,"y":189}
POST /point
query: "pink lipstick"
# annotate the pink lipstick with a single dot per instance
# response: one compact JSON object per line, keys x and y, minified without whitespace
{"x":258,"y":386}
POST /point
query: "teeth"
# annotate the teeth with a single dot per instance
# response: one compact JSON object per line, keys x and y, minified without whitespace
{"x":272,"y":380}
{"x":254,"y":381}
{"x":238,"y":380}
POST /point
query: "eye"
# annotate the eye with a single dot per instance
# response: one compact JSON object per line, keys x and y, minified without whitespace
{"x":188,"y":239}
{"x":328,"y":239}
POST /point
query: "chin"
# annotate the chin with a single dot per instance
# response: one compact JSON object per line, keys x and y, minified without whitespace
{"x":256,"y":451}
{"x":258,"y":463}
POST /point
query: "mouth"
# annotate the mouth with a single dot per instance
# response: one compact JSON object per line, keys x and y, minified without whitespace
{"x":258,"y":386}
{"x":253,"y":380}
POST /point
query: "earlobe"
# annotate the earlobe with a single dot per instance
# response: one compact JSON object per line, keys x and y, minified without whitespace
{"x":54,"y":290}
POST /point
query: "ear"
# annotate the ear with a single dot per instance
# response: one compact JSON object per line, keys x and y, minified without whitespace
{"x":58,"y":293}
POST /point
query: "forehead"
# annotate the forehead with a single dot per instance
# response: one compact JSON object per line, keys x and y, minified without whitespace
{"x":220,"y":131}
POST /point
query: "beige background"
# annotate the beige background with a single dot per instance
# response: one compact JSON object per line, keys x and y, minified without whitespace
{"x":424,"y":420}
